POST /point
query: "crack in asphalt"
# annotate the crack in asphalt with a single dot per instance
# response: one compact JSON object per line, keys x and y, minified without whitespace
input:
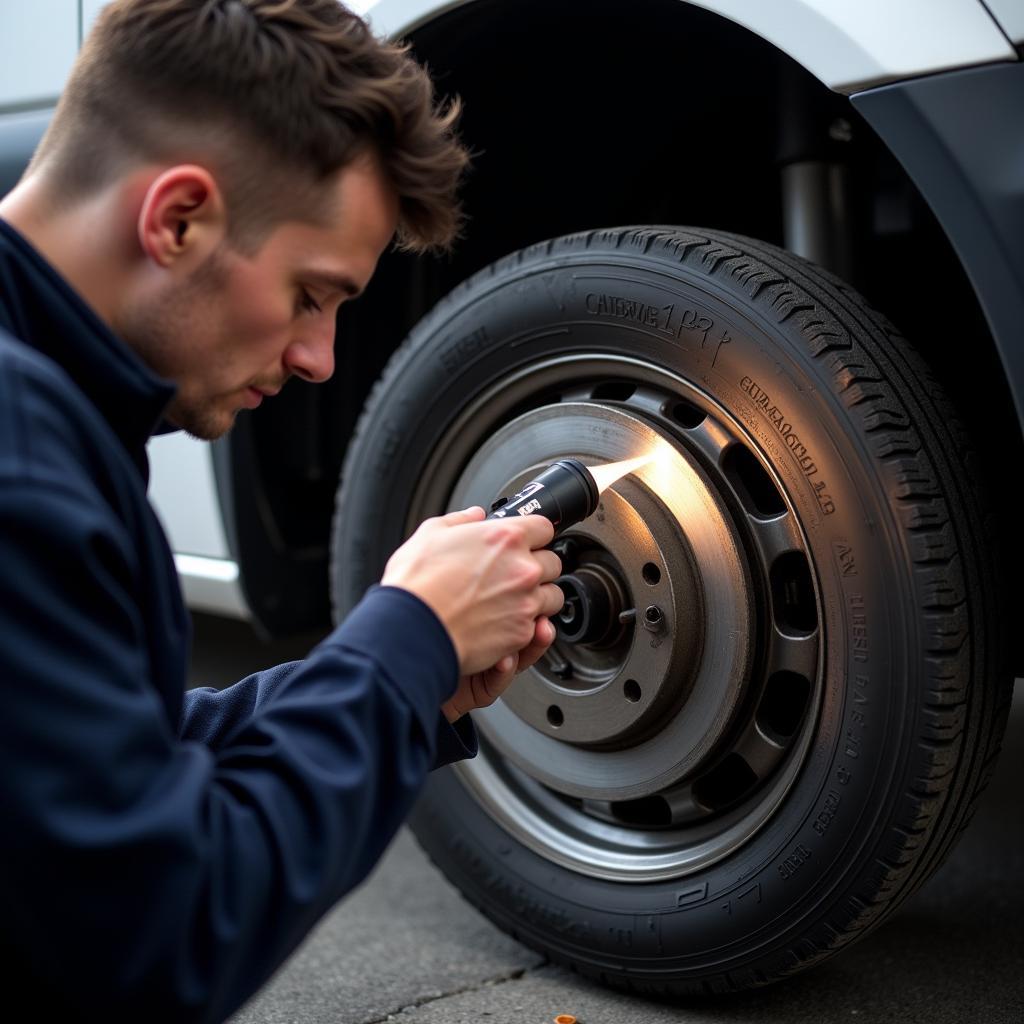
{"x":501,"y":979}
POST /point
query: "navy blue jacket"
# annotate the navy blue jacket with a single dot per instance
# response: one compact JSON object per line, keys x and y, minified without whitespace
{"x":163,"y":851}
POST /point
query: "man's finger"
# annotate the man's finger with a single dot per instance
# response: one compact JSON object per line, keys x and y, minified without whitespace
{"x":551,"y":565}
{"x":465,"y":515}
{"x":506,"y":665}
{"x":551,"y":598}
{"x":543,"y":638}
{"x":538,"y":531}
{"x":496,"y":680}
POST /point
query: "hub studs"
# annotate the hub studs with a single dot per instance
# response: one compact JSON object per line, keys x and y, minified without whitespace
{"x":654,"y":619}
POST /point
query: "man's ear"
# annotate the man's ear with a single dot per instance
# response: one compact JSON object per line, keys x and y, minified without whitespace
{"x":182,"y":219}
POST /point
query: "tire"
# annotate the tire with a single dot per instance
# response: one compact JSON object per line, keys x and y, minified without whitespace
{"x":798,"y":748}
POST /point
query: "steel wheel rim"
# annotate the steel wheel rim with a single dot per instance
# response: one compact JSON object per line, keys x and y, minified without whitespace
{"x":578,"y":829}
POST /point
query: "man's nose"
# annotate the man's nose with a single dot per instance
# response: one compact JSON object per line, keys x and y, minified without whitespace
{"x":311,"y":355}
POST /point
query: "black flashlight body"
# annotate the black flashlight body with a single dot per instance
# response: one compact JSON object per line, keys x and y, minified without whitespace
{"x":564,"y":493}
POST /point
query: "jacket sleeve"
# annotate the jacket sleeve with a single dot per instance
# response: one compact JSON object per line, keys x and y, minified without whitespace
{"x":158,"y":877}
{"x":211,"y":716}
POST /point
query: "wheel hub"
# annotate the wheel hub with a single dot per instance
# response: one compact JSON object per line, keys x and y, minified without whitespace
{"x":594,"y":612}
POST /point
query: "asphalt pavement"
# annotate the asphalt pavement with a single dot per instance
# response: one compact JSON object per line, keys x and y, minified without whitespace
{"x":406,"y":948}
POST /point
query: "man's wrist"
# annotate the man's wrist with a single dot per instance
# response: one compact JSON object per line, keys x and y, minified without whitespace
{"x":427,"y":600}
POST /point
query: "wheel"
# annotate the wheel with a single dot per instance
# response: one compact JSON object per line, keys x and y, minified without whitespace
{"x":780,"y":682}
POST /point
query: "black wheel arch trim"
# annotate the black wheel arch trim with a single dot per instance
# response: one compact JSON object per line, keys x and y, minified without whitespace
{"x":958,"y":135}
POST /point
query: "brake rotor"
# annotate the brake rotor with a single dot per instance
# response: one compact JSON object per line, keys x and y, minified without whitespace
{"x":628,"y":706}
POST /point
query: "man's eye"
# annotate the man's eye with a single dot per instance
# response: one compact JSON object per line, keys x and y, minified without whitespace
{"x":307,"y":302}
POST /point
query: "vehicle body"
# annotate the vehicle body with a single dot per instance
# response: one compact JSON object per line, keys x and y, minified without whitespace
{"x":883,"y":142}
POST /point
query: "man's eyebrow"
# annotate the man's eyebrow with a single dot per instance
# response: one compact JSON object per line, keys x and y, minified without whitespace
{"x":337,"y":282}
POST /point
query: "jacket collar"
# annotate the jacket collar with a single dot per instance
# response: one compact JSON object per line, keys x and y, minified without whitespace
{"x":39,"y":308}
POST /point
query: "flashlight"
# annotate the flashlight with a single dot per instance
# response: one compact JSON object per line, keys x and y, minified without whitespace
{"x":565,"y":493}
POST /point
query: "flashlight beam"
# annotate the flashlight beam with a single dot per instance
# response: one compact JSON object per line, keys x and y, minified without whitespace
{"x":605,"y":476}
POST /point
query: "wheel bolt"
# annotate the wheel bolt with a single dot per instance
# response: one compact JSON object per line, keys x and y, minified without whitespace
{"x":570,"y":610}
{"x":558,"y":665}
{"x":654,"y":619}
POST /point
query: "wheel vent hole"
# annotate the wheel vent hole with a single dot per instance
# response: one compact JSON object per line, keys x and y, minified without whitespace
{"x":783,"y":704}
{"x":651,"y":574}
{"x":686,"y":414}
{"x":555,"y":716}
{"x":648,"y":811}
{"x":613,"y":391}
{"x":793,"y":594}
{"x":631,"y":690}
{"x":532,"y":403}
{"x":755,"y":487}
{"x":725,"y":783}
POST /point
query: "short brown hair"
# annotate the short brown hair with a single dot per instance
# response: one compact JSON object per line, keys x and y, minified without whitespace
{"x":280,"y":94}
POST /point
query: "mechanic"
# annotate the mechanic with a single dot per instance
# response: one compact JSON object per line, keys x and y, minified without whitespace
{"x":219,"y":176}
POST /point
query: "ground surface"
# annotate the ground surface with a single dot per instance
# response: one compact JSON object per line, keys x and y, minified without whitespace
{"x":406,"y":948}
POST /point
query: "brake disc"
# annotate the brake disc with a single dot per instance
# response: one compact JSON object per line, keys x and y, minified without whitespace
{"x":632,"y":711}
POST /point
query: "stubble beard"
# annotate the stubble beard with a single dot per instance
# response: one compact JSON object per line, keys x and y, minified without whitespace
{"x":201,"y":421}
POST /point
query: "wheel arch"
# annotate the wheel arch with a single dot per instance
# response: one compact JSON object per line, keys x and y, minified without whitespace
{"x":845,"y":46}
{"x":958,"y":137}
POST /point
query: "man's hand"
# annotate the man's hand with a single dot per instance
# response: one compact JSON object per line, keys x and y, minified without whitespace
{"x":489,"y":583}
{"x":482,"y":689}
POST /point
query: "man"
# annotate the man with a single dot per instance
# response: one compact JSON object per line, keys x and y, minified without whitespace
{"x":219,"y":177}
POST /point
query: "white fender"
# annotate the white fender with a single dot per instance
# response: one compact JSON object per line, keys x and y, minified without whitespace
{"x":847,"y":44}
